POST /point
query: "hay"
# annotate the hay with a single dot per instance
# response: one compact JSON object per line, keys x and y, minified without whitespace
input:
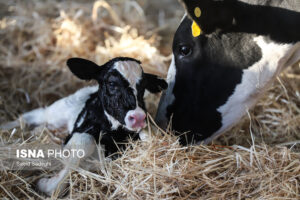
{"x":258,"y":159}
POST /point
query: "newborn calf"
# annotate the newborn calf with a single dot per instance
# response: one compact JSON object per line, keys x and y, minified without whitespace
{"x":110,"y":112}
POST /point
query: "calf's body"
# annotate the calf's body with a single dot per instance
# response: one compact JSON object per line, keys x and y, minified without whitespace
{"x":109,"y":113}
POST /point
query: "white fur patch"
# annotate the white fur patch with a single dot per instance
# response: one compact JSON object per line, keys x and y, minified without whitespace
{"x":130,"y":70}
{"x":172,"y":71}
{"x":49,"y":185}
{"x":81,"y":120}
{"x":65,"y":111}
{"x":114,"y":123}
{"x":185,"y":14}
{"x":255,"y":81}
{"x":167,"y":97}
{"x":62,"y":113}
{"x":144,"y":136}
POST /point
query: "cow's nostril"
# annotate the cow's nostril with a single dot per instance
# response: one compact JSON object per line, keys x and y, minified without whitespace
{"x":131,"y":118}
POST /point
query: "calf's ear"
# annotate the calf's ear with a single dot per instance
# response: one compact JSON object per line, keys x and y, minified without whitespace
{"x":84,"y":69}
{"x":154,"y":84}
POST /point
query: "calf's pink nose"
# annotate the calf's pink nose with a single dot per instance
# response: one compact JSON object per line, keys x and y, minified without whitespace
{"x":137,"y":120}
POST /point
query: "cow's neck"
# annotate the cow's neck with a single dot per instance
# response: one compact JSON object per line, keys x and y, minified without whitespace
{"x":282,"y":25}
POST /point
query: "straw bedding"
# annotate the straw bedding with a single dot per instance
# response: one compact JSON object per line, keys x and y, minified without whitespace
{"x":257,"y":159}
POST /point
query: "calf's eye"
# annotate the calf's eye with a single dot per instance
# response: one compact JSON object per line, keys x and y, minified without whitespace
{"x":185,"y":50}
{"x":112,"y":84}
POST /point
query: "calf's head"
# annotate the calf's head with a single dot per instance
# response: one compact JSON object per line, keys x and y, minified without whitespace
{"x":122,"y":84}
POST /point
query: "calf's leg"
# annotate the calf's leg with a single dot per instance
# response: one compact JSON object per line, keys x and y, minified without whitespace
{"x":82,"y":141}
{"x":61,"y":114}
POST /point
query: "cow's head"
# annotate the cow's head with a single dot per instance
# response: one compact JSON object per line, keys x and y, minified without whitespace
{"x":219,"y":72}
{"x":204,"y":73}
{"x":122,"y":84}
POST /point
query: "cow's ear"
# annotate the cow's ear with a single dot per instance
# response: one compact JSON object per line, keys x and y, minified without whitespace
{"x":217,"y":14}
{"x":84,"y":69}
{"x":154,"y":84}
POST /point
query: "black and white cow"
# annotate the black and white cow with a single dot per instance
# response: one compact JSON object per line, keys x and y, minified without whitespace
{"x":225,"y":55}
{"x":114,"y":110}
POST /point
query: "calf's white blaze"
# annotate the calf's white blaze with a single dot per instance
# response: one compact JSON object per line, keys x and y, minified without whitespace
{"x":131,"y":71}
{"x":255,"y":80}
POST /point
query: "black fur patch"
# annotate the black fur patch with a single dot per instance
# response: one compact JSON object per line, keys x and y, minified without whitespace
{"x":95,"y":122}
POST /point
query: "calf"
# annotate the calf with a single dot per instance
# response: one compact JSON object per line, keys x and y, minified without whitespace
{"x":225,"y":54}
{"x":111,"y":112}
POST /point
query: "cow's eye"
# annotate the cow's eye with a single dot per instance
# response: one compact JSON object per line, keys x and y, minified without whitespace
{"x":185,"y":50}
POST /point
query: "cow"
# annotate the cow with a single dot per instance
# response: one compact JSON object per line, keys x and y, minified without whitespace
{"x":226,"y":53}
{"x":110,"y":112}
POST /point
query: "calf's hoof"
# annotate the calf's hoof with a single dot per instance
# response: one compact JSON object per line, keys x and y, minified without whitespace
{"x":48,"y":186}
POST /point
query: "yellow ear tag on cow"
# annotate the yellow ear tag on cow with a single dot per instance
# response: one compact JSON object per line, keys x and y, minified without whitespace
{"x":197,"y":12}
{"x":196,"y":31}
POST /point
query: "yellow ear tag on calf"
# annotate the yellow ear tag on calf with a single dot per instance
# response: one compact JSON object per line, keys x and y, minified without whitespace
{"x":196,"y":31}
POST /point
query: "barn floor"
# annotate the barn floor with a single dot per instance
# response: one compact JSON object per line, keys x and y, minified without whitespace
{"x":257,"y":159}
